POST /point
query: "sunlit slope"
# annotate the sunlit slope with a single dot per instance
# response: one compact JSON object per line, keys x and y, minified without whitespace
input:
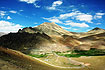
{"x":96,"y":62}
{"x":28,"y":62}
{"x":47,"y":28}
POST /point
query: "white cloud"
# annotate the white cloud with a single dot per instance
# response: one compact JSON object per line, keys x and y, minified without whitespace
{"x":51,"y":8}
{"x":57,"y":3}
{"x":54,"y":5}
{"x":85,"y":17}
{"x":53,"y":19}
{"x":21,"y":10}
{"x":2,"y":14}
{"x":31,"y":2}
{"x":9,"y":17}
{"x":64,"y":16}
{"x":77,"y":15}
{"x":7,"y":27}
{"x":35,"y":26}
{"x":66,"y":27}
{"x":36,"y":5}
{"x":68,"y":21}
{"x":12,"y":11}
{"x":98,"y":23}
{"x":99,"y":15}
{"x":73,"y":24}
{"x":75,"y":29}
{"x":28,"y":1}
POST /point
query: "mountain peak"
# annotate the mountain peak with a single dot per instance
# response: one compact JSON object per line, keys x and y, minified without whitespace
{"x":47,"y":28}
{"x":48,"y":24}
{"x":97,"y":28}
{"x":51,"y":29}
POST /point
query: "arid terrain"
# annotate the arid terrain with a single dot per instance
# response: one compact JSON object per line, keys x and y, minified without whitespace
{"x":50,"y":47}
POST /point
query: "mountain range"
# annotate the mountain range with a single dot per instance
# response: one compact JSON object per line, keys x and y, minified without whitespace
{"x":49,"y":37}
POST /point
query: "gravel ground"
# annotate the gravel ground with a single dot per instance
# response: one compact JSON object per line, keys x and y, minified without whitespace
{"x":5,"y":65}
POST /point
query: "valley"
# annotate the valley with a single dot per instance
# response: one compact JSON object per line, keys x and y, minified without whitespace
{"x":50,"y":47}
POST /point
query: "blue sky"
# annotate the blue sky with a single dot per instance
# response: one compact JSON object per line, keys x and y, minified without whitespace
{"x":72,"y":15}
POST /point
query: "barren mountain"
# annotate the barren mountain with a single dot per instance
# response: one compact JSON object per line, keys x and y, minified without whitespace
{"x":91,"y":32}
{"x":51,"y":37}
{"x":47,"y":28}
{"x":29,"y":43}
{"x":46,"y":37}
{"x":95,"y":40}
{"x":1,"y":34}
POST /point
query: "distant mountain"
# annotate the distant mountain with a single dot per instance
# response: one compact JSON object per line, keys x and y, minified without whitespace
{"x":1,"y":34}
{"x":47,"y":28}
{"x":95,"y":40}
{"x":91,"y":32}
{"x":96,"y":31}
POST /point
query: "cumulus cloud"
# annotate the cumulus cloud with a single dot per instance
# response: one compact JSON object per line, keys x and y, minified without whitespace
{"x":99,"y":15}
{"x":31,"y":2}
{"x":2,"y":14}
{"x":78,"y":16}
{"x":85,"y":17}
{"x":12,"y":11}
{"x":7,"y":27}
{"x":82,"y":18}
{"x":66,"y":27}
{"x":53,"y":19}
{"x":28,"y":1}
{"x":57,"y":3}
{"x":64,"y":16}
{"x":73,"y":24}
{"x":9,"y":17}
{"x":54,"y":5}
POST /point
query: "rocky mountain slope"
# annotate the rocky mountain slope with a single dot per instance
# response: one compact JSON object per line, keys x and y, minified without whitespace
{"x":46,"y":37}
{"x":94,"y":38}
{"x":47,"y":28}
{"x":24,"y":41}
{"x":31,"y":42}
{"x":51,"y":37}
{"x":91,"y":32}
